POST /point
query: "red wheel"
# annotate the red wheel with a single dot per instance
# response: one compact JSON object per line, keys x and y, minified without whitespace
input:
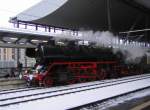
{"x":82,"y":80}
{"x":48,"y":81}
{"x":73,"y":81}
{"x":70,"y":78}
{"x":101,"y":74}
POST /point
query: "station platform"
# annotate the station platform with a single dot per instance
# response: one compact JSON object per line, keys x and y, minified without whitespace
{"x":11,"y":83}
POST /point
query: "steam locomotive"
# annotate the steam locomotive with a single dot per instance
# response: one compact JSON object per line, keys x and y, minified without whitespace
{"x":72,"y":63}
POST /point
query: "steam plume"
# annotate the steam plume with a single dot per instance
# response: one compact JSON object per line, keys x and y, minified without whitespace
{"x":131,"y":52}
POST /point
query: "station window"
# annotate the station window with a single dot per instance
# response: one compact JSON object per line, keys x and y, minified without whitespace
{"x":4,"y":56}
{"x":13,"y":53}
{"x":5,"y":52}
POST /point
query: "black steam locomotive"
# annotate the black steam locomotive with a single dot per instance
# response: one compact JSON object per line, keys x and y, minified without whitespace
{"x":72,"y":63}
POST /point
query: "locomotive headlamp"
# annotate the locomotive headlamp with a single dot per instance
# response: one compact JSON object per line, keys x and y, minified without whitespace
{"x":30,"y":76}
{"x":36,"y":71}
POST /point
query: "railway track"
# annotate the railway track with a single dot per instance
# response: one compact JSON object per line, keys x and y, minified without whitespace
{"x":21,"y":96}
{"x":24,"y":89}
{"x":18,"y":90}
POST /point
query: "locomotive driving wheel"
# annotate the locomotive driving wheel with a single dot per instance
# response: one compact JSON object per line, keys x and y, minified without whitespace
{"x":66,"y":78}
{"x":48,"y":81}
{"x":71,"y":78}
{"x":101,"y":74}
{"x":82,"y":80}
{"x":71,"y":81}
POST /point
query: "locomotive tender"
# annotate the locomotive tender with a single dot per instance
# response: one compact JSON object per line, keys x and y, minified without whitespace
{"x":72,"y":63}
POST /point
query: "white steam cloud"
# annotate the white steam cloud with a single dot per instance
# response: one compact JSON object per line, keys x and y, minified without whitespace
{"x":131,"y":51}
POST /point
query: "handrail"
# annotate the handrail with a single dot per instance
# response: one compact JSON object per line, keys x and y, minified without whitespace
{"x":36,"y":26}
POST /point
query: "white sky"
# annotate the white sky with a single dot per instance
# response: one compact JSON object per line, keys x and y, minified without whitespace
{"x":10,"y":8}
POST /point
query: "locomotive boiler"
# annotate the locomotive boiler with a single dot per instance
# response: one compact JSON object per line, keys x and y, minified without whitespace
{"x":71,"y":63}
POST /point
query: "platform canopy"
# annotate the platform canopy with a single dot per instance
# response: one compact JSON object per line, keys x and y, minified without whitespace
{"x":114,"y":15}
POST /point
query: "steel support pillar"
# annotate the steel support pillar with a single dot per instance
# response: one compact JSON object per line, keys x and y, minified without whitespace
{"x":109,"y":15}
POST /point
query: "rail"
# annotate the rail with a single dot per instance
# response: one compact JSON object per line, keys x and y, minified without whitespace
{"x":86,"y":85}
{"x":66,"y":91}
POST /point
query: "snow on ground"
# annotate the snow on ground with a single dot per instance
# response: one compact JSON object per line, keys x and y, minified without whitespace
{"x":76,"y":99}
{"x":36,"y":91}
{"x":116,"y":101}
{"x":50,"y":90}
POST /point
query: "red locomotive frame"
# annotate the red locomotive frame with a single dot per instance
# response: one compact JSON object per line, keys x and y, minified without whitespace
{"x":76,"y":72}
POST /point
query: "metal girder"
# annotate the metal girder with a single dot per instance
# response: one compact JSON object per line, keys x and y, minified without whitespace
{"x":136,"y":5}
{"x":114,"y":15}
{"x":19,"y":34}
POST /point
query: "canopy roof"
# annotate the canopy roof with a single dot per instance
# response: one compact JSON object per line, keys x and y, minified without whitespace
{"x":113,"y":15}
